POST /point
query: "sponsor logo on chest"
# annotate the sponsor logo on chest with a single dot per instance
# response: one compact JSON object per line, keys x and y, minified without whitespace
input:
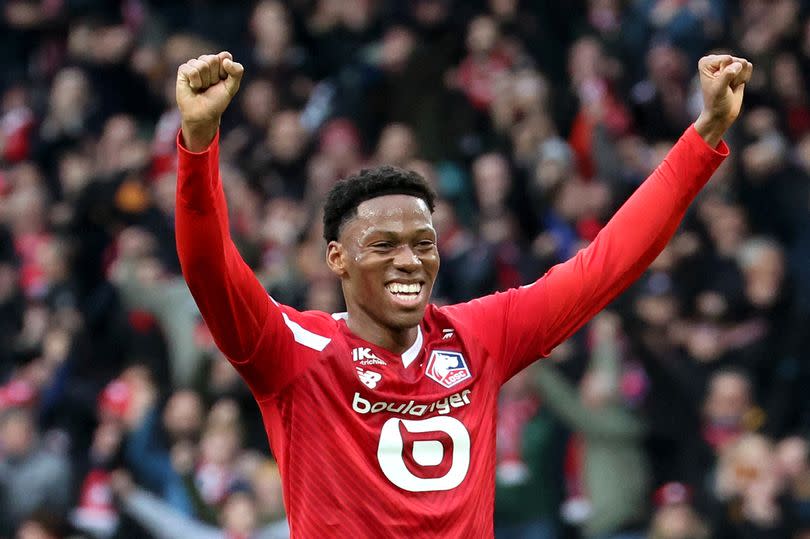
{"x":364,"y":356}
{"x":412,"y":407}
{"x":447,"y":367}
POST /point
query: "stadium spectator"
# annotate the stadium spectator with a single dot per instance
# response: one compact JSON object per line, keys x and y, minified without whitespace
{"x":616,"y":472}
{"x":32,"y":476}
{"x":238,"y":515}
{"x":527,"y":492}
{"x":674,"y":516}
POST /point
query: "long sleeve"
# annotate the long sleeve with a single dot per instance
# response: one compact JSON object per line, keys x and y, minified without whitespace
{"x":233,"y":303}
{"x":579,"y":288}
{"x":266,"y":342}
{"x":526,"y":323}
{"x":164,"y":522}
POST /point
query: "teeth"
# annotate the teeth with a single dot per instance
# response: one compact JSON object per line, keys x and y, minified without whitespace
{"x":401,"y":288}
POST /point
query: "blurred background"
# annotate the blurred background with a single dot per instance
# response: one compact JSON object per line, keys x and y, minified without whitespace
{"x":683,"y":413}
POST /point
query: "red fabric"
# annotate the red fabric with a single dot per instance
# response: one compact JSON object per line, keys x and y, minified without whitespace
{"x":142,"y":321}
{"x":580,"y":139}
{"x":614,"y":117}
{"x":366,"y":446}
{"x":672,"y":493}
{"x":115,"y":399}
{"x":96,"y":509}
{"x":798,"y":120}
{"x":17,"y":393}
{"x":574,"y":467}
{"x":164,"y":150}
{"x":721,"y":436}
{"x":477,"y":78}
{"x":96,"y":494}
{"x":588,"y":228}
{"x":32,"y":274}
{"x":513,"y":415}
{"x":16,"y":126}
{"x":161,"y":164}
{"x":339,"y":132}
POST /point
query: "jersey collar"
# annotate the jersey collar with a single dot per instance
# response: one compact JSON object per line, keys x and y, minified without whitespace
{"x":408,"y":355}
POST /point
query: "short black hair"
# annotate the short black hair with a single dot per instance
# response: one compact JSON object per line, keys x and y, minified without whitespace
{"x":344,"y":197}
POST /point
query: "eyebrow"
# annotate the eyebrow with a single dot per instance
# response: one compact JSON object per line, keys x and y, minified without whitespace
{"x":394,"y":234}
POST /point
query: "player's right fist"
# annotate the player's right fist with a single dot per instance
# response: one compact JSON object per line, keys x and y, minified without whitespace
{"x":204,"y":88}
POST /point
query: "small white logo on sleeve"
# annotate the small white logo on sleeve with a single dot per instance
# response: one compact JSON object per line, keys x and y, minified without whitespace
{"x":369,"y":378}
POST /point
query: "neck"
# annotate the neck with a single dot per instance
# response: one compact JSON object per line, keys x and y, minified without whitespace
{"x":394,"y":340}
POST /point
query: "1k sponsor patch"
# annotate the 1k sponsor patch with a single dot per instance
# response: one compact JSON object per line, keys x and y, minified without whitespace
{"x":364,"y":356}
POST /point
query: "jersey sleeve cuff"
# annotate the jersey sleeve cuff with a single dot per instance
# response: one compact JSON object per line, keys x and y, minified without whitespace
{"x":196,"y":174}
{"x":698,"y":144}
{"x":185,"y":152}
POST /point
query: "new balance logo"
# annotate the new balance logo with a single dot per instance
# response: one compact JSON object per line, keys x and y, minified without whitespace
{"x":365,"y":356}
{"x":369,"y":378}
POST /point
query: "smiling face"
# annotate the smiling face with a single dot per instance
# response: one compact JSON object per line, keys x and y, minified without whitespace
{"x":387,"y":260}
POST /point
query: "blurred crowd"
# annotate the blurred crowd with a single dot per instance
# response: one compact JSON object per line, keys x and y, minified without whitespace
{"x":680,"y":414}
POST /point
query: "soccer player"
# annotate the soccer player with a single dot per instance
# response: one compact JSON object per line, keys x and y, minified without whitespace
{"x":382,"y":418}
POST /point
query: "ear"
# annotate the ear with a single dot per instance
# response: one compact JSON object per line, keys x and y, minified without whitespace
{"x":335,"y":259}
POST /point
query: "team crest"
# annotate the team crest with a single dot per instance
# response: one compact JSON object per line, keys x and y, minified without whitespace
{"x":447,"y":368}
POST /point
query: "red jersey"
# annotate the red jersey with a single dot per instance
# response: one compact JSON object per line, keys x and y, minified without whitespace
{"x":374,"y":444}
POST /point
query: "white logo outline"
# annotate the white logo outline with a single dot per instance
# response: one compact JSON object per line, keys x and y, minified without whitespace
{"x":369,"y":378}
{"x":364,"y":356}
{"x":426,"y":453}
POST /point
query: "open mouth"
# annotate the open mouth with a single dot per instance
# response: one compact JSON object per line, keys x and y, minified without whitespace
{"x":405,"y":293}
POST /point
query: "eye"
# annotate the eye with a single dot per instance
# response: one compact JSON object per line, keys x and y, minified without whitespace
{"x":425,"y":244}
{"x":382,"y":245}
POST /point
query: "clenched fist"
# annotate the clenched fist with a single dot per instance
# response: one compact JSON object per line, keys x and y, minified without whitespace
{"x":722,"y":82}
{"x":204,"y":88}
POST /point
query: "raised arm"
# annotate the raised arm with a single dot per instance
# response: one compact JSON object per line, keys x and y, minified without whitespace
{"x":246,"y":324}
{"x":579,"y":288}
{"x":231,"y":299}
{"x":529,"y":322}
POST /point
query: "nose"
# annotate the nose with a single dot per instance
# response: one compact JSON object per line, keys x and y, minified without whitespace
{"x":406,"y":260}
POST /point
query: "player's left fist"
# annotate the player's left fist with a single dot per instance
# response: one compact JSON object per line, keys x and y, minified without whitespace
{"x":722,"y":82}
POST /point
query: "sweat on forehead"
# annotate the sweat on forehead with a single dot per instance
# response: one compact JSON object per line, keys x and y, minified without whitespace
{"x":390,"y":214}
{"x":344,"y":198}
